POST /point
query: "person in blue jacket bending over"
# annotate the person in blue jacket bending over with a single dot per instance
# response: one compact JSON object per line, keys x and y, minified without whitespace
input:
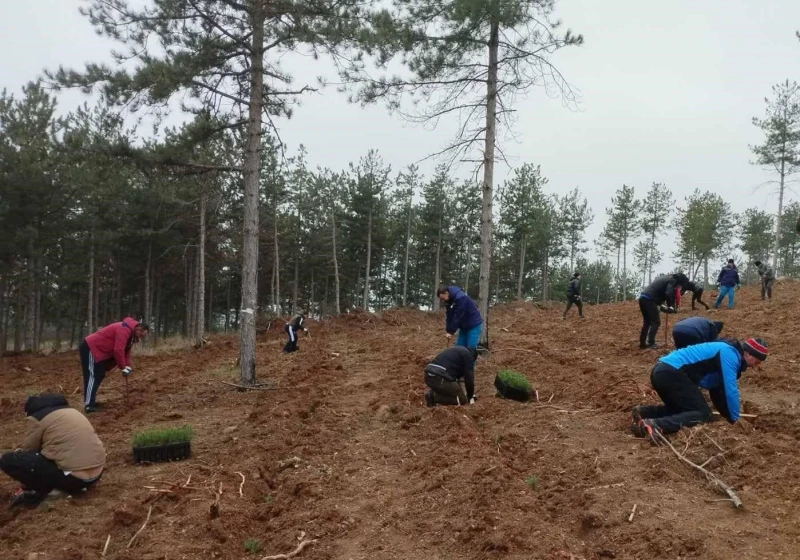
{"x":695,"y":330}
{"x":678,"y":377}
{"x":462,"y":316}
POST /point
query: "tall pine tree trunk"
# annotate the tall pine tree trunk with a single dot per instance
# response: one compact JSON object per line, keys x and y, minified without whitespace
{"x":408,"y":247}
{"x":488,"y":179}
{"x":200,"y":293}
{"x":3,"y":316}
{"x":522,"y":247}
{"x":148,"y":285}
{"x":30,"y":298}
{"x":781,"y":191}
{"x":616,"y":291}
{"x":335,"y":265}
{"x":18,"y":321}
{"x":276,"y":263}
{"x":252,"y":164}
{"x":437,"y":274}
{"x":228,"y":302}
{"x":369,"y":258}
{"x":625,"y":268}
{"x":468,"y":265}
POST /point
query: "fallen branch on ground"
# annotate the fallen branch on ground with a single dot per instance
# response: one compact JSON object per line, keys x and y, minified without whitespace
{"x":639,"y":386}
{"x":241,"y":486}
{"x":710,"y":476}
{"x":133,"y":538}
{"x":742,"y":415}
{"x":633,"y":512}
{"x":293,"y":553}
{"x":214,"y":509}
{"x":105,"y":548}
{"x":261,"y":387}
{"x":562,"y":409}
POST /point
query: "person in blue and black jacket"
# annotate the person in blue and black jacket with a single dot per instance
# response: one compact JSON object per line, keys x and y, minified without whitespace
{"x":678,"y":377}
{"x":462,"y":316}
{"x":695,"y":330}
{"x":729,"y":282}
{"x":661,"y":292}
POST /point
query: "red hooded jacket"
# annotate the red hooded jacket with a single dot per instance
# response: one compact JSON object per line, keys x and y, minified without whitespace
{"x":113,"y":341}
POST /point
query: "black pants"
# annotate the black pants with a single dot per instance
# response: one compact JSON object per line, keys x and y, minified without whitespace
{"x":444,"y":391}
{"x":698,"y":297}
{"x":93,"y":373}
{"x":291,"y":344}
{"x":577,"y":303}
{"x":36,"y":472}
{"x":684,"y":404}
{"x":766,"y":288}
{"x":651,"y":320}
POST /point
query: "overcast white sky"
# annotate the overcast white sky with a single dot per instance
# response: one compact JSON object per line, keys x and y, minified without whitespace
{"x":669,"y":90}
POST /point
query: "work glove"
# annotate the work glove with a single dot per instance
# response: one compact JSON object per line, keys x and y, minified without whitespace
{"x":449,"y":335}
{"x":126,"y":371}
{"x":472,"y":400}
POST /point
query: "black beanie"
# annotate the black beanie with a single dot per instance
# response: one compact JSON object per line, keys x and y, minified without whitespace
{"x":576,"y":274}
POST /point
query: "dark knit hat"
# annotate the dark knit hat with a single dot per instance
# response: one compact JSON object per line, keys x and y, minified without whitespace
{"x":576,"y":274}
{"x":756,"y":347}
{"x":718,"y":325}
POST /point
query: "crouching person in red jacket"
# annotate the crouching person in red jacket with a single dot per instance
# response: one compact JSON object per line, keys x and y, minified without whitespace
{"x":102,"y":351}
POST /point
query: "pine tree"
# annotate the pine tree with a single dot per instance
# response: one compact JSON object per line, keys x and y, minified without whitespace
{"x":780,"y":151}
{"x":622,"y":227}
{"x":656,"y":209}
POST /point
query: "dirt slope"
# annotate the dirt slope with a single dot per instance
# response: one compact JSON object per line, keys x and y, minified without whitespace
{"x":380,"y":476}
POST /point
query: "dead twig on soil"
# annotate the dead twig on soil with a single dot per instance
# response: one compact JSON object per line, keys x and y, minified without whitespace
{"x":633,"y":512}
{"x":293,"y":553}
{"x":563,"y":409}
{"x":260,"y":387}
{"x":241,"y":486}
{"x":516,"y":350}
{"x":105,"y":548}
{"x":718,"y":446}
{"x":737,"y":502}
{"x":133,"y":538}
{"x":214,"y":509}
{"x":629,"y":379}
{"x":742,"y":415}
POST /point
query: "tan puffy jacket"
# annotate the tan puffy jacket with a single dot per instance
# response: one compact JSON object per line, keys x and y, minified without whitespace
{"x":67,"y":438}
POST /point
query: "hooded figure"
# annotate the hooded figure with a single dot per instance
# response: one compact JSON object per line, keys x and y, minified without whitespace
{"x":61,"y":451}
{"x":659,"y":294}
{"x":679,"y":376}
{"x":462,"y":316}
{"x":104,"y":350}
{"x":695,"y":330}
{"x":574,"y":295}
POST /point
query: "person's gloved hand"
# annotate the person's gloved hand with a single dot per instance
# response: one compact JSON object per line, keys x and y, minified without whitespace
{"x":449,"y":335}
{"x":126,"y":371}
{"x":472,"y":400}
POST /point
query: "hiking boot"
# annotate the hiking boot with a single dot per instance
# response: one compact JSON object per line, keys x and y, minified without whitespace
{"x":563,"y":318}
{"x":90,"y":409}
{"x":25,"y":497}
{"x":429,"y":402}
{"x":652,"y":346}
{"x":646,"y":428}
{"x":636,"y":413}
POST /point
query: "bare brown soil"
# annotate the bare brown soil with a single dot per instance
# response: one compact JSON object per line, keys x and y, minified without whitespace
{"x":379,"y":476}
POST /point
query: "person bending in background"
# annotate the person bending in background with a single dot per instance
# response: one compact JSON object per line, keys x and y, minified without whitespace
{"x":697,"y":294}
{"x":767,"y":274}
{"x":661,"y":292}
{"x":294,"y":325}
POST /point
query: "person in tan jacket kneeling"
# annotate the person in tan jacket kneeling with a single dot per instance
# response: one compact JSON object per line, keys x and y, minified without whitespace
{"x":61,"y":451}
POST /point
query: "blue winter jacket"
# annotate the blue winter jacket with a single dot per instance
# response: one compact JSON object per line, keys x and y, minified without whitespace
{"x":728,"y":277}
{"x":697,"y":328}
{"x":714,"y":366}
{"x":462,"y":313}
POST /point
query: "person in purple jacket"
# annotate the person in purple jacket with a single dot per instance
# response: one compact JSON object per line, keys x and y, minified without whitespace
{"x":728,"y":281}
{"x":462,"y":316}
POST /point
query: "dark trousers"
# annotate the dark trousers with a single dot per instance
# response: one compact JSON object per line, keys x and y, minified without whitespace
{"x":651,"y":320}
{"x":684,"y":404}
{"x":698,"y":297}
{"x":577,"y":303}
{"x":766,"y":288}
{"x":444,"y":391}
{"x":291,"y":344}
{"x":38,"y":473}
{"x":93,"y":374}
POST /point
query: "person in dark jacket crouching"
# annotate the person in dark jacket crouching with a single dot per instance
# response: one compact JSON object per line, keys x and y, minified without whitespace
{"x":294,"y":325}
{"x":660,"y":293}
{"x":444,"y":373}
{"x":695,"y":330}
{"x":574,"y":295}
{"x":678,"y":377}
{"x":462,"y":316}
{"x":697,"y":294}
{"x":61,"y":451}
